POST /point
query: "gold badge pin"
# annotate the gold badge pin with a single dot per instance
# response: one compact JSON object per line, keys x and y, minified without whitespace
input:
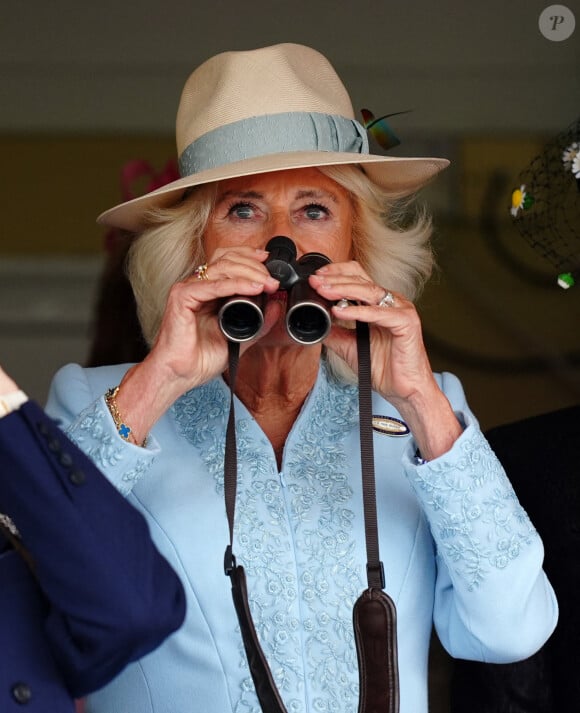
{"x":390,"y":426}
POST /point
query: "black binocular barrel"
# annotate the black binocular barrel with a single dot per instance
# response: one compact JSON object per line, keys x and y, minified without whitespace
{"x":307,"y":317}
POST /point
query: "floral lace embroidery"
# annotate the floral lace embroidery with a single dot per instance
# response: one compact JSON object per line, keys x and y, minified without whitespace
{"x":289,"y":535}
{"x":318,"y":496}
{"x":90,"y":432}
{"x":201,"y":415}
{"x":476,"y":518}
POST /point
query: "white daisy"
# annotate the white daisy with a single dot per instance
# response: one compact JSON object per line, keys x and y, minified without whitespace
{"x":569,"y":154}
{"x":521,"y":200}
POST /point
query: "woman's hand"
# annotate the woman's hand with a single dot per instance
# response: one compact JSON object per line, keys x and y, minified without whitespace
{"x":400,"y":368}
{"x":190,"y":343}
{"x":190,"y":348}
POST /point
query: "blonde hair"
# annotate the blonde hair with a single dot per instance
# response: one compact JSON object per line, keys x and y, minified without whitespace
{"x":166,"y":252}
{"x":390,"y":241}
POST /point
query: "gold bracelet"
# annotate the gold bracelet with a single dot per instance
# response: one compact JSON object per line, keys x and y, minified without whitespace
{"x":122,"y":428}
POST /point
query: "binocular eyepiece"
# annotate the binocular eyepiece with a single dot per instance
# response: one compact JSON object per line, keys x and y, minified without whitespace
{"x":307,"y":313}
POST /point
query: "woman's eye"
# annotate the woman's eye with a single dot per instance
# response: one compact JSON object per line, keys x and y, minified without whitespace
{"x":244,"y":211}
{"x":316,"y":212}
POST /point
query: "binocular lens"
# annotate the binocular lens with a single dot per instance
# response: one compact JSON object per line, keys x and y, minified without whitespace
{"x":307,"y":323}
{"x":240,"y":319}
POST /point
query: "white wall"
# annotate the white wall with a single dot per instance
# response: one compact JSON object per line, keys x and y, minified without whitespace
{"x":46,"y":307}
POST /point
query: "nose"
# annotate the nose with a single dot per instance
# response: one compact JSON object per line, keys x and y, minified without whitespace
{"x":279,"y":224}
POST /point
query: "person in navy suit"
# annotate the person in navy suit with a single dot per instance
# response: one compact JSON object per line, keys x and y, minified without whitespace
{"x":540,"y":455}
{"x":83,"y":589}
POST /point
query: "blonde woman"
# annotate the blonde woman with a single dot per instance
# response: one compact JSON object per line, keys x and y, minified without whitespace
{"x":269,"y":146}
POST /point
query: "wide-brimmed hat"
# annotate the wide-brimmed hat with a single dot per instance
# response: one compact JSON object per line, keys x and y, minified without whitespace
{"x":263,"y":110}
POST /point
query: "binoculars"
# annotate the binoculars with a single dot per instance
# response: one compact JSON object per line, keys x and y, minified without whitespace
{"x":307,"y":313}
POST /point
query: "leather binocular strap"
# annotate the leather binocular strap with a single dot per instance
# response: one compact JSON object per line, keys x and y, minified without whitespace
{"x":374,"y":614}
{"x":266,"y":690}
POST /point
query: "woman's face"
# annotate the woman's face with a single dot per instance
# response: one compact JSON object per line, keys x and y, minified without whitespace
{"x":302,"y":204}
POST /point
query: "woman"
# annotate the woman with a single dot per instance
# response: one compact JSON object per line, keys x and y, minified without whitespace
{"x":268,"y":146}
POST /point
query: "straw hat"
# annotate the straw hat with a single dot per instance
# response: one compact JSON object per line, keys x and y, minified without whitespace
{"x":269,"y":109}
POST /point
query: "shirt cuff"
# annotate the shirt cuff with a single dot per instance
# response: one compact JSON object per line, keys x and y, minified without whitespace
{"x":11,"y":402}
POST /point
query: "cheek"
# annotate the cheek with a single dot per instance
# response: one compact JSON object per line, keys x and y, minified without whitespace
{"x":208,"y":244}
{"x":346,"y":224}
{"x":227,"y":235}
{"x":342,"y":246}
{"x":215,"y":237}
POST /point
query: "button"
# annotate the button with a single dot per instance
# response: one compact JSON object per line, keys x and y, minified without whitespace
{"x":43,"y":428}
{"x":54,"y":445}
{"x":21,"y":693}
{"x":65,"y":459}
{"x":77,"y":477}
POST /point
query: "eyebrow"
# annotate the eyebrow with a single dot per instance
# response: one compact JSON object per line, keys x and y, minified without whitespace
{"x":307,"y":193}
{"x":317,"y":195}
{"x":238,"y":194}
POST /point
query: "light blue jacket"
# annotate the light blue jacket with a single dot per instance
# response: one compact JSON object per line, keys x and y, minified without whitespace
{"x":457,"y":547}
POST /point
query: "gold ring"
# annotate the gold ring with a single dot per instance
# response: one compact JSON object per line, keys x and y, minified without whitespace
{"x":201,"y":272}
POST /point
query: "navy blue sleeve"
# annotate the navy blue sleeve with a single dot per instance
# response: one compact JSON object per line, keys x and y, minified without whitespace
{"x":112,"y":596}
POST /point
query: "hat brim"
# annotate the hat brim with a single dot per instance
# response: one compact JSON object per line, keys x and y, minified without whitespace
{"x":402,"y":176}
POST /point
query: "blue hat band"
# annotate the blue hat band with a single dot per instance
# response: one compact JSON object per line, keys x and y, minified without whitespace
{"x":271,"y":134}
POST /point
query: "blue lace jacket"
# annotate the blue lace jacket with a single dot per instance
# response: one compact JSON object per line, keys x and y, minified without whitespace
{"x":458,"y":549}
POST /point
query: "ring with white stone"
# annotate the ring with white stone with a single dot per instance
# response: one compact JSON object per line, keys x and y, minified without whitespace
{"x":387,"y":301}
